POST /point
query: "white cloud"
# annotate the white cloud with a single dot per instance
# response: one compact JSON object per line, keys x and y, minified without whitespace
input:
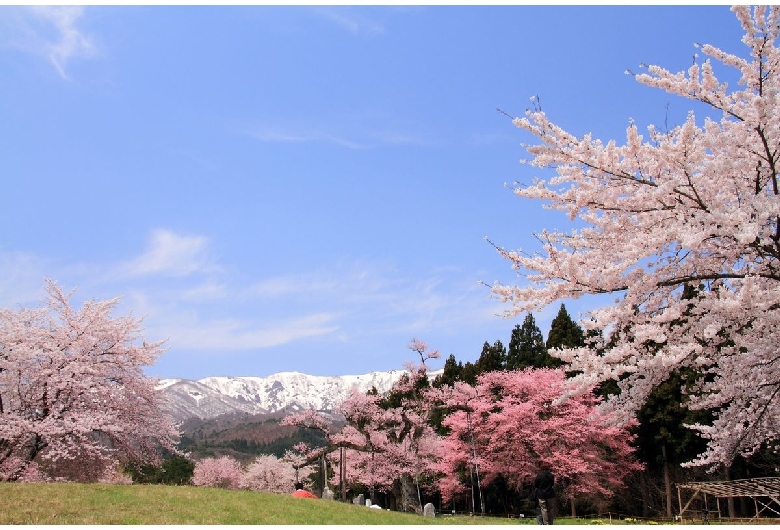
{"x":208,"y":291}
{"x":233,"y":334}
{"x":282,"y":136}
{"x":51,"y":32}
{"x":21,"y":279}
{"x":351,"y":22}
{"x":294,"y":284}
{"x":366,"y":139}
{"x":375,"y":298}
{"x":170,"y":254}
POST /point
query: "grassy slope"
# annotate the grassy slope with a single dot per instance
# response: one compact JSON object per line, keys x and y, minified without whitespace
{"x":71,"y":503}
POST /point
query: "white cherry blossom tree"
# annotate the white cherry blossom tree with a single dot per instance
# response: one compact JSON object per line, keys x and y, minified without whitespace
{"x":72,"y":386}
{"x":682,"y":229}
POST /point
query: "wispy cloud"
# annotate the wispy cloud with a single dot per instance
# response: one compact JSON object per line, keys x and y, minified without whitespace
{"x":492,"y":138}
{"x":51,"y":32}
{"x":366,"y":139}
{"x":183,"y":295}
{"x":281,"y":136}
{"x":350,"y":21}
{"x":21,"y":278}
{"x":374,"y":293}
{"x":186,"y":332}
{"x":170,"y":254}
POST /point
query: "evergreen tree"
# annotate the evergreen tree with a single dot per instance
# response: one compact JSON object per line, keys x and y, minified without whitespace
{"x":176,"y":470}
{"x":453,"y":371}
{"x":526,"y":347}
{"x":564,"y":333}
{"x":469,"y":374}
{"x":492,"y":358}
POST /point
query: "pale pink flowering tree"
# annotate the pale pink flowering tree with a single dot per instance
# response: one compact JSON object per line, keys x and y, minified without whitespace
{"x":223,"y":472}
{"x":72,"y":385}
{"x":387,"y":438}
{"x":113,"y":475}
{"x":510,"y":423}
{"x":693,"y":208}
{"x":299,"y":458}
{"x":268,"y":473}
{"x":17,"y":470}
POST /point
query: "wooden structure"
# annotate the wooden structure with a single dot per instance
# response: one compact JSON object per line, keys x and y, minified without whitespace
{"x":765,"y":493}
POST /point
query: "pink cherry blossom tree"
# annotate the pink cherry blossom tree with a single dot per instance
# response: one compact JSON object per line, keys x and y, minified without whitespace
{"x":72,"y":385}
{"x":388,"y":439}
{"x":223,"y":472}
{"x":510,"y":423}
{"x":696,"y":208}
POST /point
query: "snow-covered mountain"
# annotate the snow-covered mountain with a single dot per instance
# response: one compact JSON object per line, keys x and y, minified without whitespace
{"x":285,"y":391}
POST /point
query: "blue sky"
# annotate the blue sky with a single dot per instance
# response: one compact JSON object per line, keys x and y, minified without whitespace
{"x":304,"y":188}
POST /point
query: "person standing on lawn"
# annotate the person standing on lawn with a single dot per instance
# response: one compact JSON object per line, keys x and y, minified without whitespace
{"x":544,"y":494}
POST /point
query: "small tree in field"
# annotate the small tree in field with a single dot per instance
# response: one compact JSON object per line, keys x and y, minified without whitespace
{"x":223,"y":472}
{"x":72,"y":386}
{"x":696,"y":207}
{"x":269,"y":473}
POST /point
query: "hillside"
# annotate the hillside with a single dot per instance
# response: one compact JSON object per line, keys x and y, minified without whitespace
{"x":243,"y":436}
{"x":101,"y":504}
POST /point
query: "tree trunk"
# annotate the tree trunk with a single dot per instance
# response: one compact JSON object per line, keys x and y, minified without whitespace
{"x":573,"y":507}
{"x":409,"y":495}
{"x":667,"y":482}
{"x":645,"y":494}
{"x":729,"y":500}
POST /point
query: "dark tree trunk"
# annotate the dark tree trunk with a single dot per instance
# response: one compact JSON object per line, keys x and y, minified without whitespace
{"x":667,"y":482}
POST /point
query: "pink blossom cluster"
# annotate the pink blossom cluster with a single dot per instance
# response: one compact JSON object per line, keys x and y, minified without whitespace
{"x":507,"y":425}
{"x":15,"y":469}
{"x":510,"y":423}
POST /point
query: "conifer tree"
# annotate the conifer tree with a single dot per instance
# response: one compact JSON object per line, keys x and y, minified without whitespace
{"x":565,"y":332}
{"x":526,"y":347}
{"x":453,"y":371}
{"x":469,"y":373}
{"x":492,"y":358}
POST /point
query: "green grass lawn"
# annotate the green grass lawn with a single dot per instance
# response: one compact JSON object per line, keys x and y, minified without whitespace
{"x":83,"y":504}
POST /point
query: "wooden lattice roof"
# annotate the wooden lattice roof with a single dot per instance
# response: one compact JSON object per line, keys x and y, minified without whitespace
{"x":749,"y":487}
{"x":756,"y":488}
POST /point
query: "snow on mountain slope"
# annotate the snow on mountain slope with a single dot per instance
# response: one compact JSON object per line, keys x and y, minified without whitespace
{"x":213,"y":396}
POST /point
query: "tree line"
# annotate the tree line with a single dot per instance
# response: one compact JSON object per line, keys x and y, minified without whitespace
{"x":663,"y":442}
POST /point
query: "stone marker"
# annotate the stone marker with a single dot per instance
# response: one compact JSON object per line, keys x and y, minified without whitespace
{"x":429,"y":510}
{"x":359,"y":500}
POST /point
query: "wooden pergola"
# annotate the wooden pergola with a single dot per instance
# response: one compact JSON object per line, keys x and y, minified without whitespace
{"x":758,"y":489}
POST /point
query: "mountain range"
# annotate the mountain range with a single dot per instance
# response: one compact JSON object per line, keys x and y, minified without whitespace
{"x":283,"y":392}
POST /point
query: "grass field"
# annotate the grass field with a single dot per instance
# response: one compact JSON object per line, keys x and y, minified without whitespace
{"x":88,"y":504}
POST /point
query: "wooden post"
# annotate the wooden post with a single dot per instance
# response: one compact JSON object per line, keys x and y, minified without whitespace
{"x":679,"y":502}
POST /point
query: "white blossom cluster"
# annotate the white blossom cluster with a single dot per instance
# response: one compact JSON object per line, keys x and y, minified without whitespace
{"x":683,"y":228}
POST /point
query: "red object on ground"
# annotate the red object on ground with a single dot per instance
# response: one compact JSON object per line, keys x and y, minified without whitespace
{"x":304,"y":494}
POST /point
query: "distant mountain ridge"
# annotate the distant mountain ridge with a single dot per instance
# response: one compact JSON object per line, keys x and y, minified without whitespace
{"x":283,"y":392}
